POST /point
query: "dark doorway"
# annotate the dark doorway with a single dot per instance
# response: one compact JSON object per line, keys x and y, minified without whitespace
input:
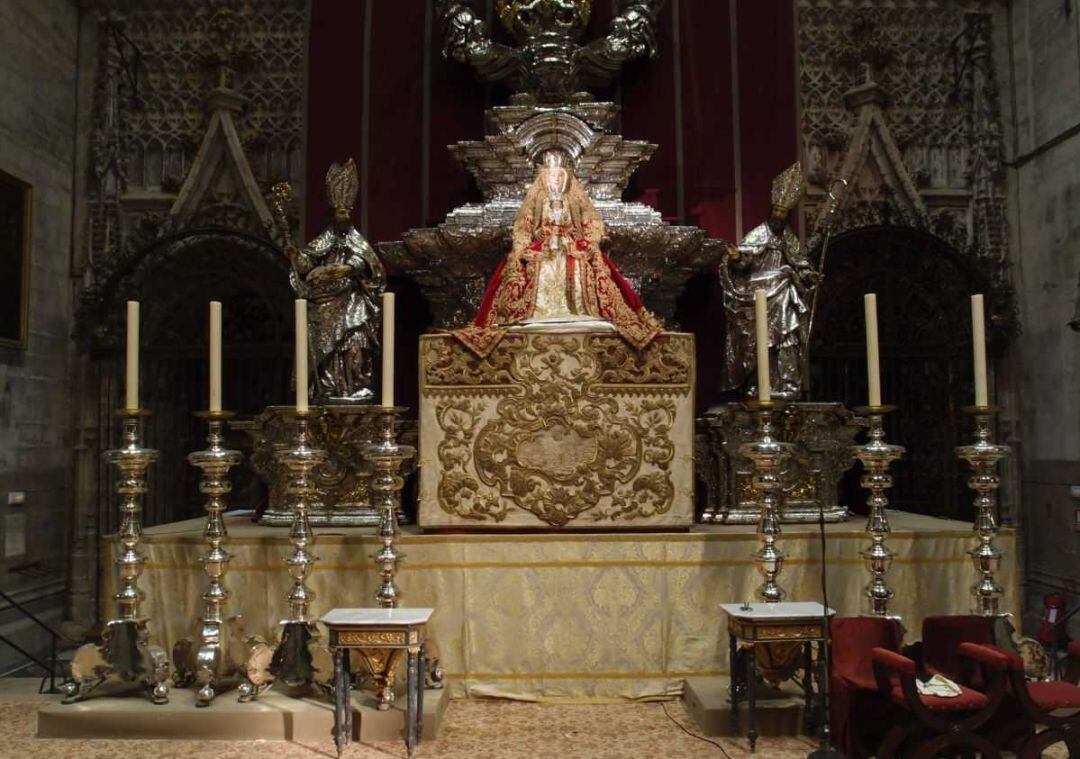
{"x":175,"y":283}
{"x":923,"y":288}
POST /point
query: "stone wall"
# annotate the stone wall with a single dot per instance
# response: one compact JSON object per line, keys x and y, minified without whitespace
{"x":37,"y":132}
{"x":1045,"y":203}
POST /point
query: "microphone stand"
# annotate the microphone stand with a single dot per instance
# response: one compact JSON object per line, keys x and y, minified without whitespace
{"x":824,"y":749}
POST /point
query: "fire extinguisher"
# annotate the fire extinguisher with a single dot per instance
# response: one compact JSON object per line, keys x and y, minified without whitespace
{"x":1052,"y":632}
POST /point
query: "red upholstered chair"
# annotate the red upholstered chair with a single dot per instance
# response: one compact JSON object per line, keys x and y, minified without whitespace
{"x":941,"y":639}
{"x":858,"y":716}
{"x":1041,"y":702}
{"x":929,"y":725}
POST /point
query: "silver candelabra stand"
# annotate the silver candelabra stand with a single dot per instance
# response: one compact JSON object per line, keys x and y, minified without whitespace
{"x":386,"y":456}
{"x":211,"y":658}
{"x":983,"y":456}
{"x":876,"y":456}
{"x":769,"y":457}
{"x":291,"y":662}
{"x":125,"y":654}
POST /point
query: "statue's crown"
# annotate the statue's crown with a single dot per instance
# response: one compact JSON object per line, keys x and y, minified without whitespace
{"x":788,"y":188}
{"x":342,"y":185}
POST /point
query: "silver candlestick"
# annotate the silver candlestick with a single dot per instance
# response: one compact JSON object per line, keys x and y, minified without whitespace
{"x":769,"y":457}
{"x":876,"y":456}
{"x":125,"y":654}
{"x":292,"y":662}
{"x":208,"y":660}
{"x":386,"y":456}
{"x":983,"y":456}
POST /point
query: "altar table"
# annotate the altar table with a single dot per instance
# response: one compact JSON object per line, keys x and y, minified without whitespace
{"x":566,"y":615}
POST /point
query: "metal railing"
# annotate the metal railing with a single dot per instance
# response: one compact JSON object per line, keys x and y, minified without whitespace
{"x":54,"y":638}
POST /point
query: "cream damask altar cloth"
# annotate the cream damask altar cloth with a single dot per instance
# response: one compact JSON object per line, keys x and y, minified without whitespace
{"x":560,"y":429}
{"x":565,"y":615}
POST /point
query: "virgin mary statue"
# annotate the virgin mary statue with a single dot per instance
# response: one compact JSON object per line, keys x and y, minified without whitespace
{"x":556,"y":278}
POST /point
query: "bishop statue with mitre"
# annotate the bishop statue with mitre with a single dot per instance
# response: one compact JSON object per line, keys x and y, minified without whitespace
{"x":772,"y":259}
{"x":556,"y":278}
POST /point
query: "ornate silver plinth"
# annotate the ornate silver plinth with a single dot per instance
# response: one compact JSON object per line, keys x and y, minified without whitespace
{"x":209,"y":659}
{"x":292,"y":661}
{"x":125,"y":654}
{"x":983,"y":456}
{"x":343,"y":496}
{"x":822,"y":435}
{"x":769,"y":457}
{"x":876,"y":456}
{"x":387,"y":457}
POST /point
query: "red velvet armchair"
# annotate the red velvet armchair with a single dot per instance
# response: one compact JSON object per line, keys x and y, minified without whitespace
{"x":1042,"y":704}
{"x":858,"y":716}
{"x":928,"y":725}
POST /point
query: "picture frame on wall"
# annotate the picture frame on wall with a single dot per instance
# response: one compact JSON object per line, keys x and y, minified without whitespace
{"x":15,"y":208}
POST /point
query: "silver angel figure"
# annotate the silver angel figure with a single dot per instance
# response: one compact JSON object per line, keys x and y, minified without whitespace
{"x":771,"y":258}
{"x":342,"y":279}
{"x":549,"y":63}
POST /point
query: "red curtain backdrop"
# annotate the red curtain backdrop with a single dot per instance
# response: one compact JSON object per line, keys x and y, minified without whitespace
{"x":373,"y":80}
{"x":719,"y":100}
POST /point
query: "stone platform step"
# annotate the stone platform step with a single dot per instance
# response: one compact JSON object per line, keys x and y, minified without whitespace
{"x":273,"y":717}
{"x":780,"y":712}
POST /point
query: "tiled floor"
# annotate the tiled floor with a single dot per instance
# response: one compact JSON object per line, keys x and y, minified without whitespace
{"x":472,"y":730}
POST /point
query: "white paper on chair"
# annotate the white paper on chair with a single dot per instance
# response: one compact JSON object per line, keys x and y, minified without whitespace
{"x":938,"y":685}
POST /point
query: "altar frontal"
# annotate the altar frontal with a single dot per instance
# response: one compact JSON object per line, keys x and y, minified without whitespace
{"x":575,"y":430}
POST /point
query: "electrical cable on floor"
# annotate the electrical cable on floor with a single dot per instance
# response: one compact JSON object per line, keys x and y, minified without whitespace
{"x":692,"y":735}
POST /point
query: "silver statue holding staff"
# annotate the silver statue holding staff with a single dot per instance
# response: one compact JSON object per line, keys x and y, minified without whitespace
{"x":342,"y":279}
{"x":771,"y":258}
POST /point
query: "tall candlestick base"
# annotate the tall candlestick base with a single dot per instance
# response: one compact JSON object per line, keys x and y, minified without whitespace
{"x":125,"y":654}
{"x":212,"y":656}
{"x":293,"y":661}
{"x":876,"y":456}
{"x":769,"y":457}
{"x":983,"y":456}
{"x":387,"y":457}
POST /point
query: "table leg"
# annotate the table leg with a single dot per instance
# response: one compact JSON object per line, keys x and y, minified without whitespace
{"x":751,"y":694}
{"x":808,"y":688}
{"x":346,"y":678}
{"x":341,"y":699}
{"x":735,"y":686}
{"x":411,"y":703}
{"x":823,"y":727}
{"x":420,"y":681}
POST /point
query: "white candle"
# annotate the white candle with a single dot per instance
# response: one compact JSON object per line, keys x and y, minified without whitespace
{"x":131,"y":398}
{"x":388,"y":349}
{"x":873,"y":360}
{"x":761,"y":321}
{"x":301,"y":357}
{"x":215,"y":355}
{"x":978,"y":340}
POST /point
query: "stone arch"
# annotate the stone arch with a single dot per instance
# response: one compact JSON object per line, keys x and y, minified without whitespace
{"x":923,"y":285}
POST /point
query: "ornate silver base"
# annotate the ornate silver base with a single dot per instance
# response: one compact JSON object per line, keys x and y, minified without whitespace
{"x":298,"y":661}
{"x":125,"y":656}
{"x":215,"y":664}
{"x":342,"y":484}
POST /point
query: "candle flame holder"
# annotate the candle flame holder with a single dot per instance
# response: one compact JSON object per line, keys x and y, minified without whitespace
{"x":210,"y":658}
{"x":769,"y":457}
{"x":876,"y":456}
{"x":983,"y":456}
{"x":125,"y":654}
{"x":291,"y":661}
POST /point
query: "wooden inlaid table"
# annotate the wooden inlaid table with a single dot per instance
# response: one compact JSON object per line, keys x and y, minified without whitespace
{"x":762,"y":623}
{"x":392,"y":629}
